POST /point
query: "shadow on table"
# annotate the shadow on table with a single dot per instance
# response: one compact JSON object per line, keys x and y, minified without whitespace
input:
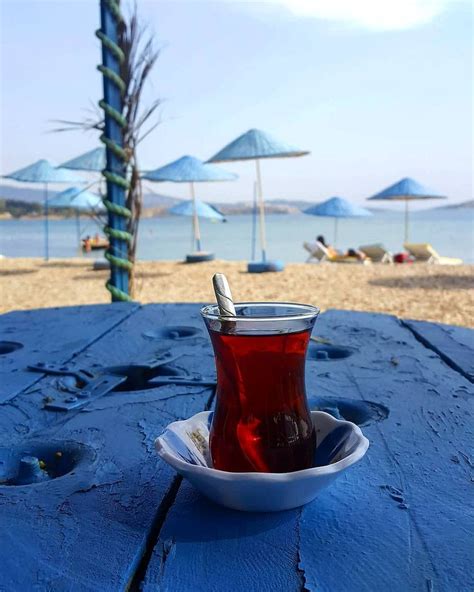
{"x":9,"y":272}
{"x":197,"y":519}
{"x":429,"y":282}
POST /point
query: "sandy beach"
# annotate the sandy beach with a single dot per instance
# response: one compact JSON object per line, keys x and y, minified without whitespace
{"x":434,"y":293}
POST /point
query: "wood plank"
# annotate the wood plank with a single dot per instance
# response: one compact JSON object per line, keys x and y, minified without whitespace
{"x":50,"y":335}
{"x":88,"y":530}
{"x":397,"y":521}
{"x":203,"y":546}
{"x":136,"y":340}
{"x":454,"y":344}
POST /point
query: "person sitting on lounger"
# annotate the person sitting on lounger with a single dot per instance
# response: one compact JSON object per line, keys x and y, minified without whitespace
{"x":332,"y":252}
{"x":356,"y":253}
{"x":335,"y":253}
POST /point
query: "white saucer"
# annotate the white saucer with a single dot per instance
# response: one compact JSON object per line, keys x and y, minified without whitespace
{"x":184,"y":446}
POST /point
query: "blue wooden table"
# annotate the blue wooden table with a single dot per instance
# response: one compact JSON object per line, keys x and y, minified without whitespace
{"x":115,"y":517}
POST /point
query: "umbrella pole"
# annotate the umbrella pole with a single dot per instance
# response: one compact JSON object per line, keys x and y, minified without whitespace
{"x":197,"y":232}
{"x":78,"y":232}
{"x":406,"y":220}
{"x":254,"y":221}
{"x":262,"y":212}
{"x":46,"y":223}
{"x":335,"y":232}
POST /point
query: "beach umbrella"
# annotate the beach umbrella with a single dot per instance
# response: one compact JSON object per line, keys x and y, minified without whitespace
{"x":94,"y":160}
{"x":189,"y":169}
{"x":79,"y":200}
{"x":203,"y":210}
{"x":256,"y":145}
{"x":337,"y":207}
{"x":44,"y":172}
{"x":407,"y":190}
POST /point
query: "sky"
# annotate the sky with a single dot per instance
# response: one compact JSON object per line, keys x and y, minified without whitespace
{"x":375,"y":90}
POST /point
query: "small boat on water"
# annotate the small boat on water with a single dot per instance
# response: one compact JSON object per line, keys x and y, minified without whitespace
{"x":94,"y":243}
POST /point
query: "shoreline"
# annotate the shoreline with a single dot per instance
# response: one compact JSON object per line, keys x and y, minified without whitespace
{"x":434,"y":293}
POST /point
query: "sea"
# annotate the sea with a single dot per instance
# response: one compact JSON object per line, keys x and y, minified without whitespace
{"x":450,"y":231}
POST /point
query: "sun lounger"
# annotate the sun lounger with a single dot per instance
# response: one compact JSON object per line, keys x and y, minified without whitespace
{"x":377,"y":253}
{"x":424,"y":253}
{"x":317,"y":252}
{"x":320,"y":254}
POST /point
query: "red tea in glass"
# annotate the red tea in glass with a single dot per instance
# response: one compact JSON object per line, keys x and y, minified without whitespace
{"x":262,"y":421}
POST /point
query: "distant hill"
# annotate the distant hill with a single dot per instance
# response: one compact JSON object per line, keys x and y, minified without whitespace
{"x":25,"y":194}
{"x":247,"y":207}
{"x":36,"y":195}
{"x":293,"y":203}
{"x":458,"y":206}
{"x":159,"y":200}
{"x":154,"y":204}
{"x":158,"y":204}
{"x":15,"y":208}
{"x":27,"y":202}
{"x":155,"y":200}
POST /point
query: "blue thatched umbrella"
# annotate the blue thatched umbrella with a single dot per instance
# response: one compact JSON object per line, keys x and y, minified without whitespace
{"x":406,"y":190}
{"x":79,"y":200}
{"x":44,"y":172}
{"x":189,"y":169}
{"x":337,"y":207}
{"x":94,"y":160}
{"x":203,"y":210}
{"x":255,"y":145}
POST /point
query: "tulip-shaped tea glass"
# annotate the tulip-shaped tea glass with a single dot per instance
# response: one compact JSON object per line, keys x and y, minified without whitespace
{"x":262,"y":420}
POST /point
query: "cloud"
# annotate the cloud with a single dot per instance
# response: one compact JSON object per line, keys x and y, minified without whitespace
{"x":376,"y":15}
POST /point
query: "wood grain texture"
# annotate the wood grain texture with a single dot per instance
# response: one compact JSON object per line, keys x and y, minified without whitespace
{"x":205,"y":547}
{"x":397,"y":521}
{"x":392,"y":521}
{"x":454,"y":344}
{"x":88,"y":530}
{"x":138,"y":339}
{"x":51,"y":335}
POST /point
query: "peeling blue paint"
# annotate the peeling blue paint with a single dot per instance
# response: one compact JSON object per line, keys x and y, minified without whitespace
{"x":397,"y":521}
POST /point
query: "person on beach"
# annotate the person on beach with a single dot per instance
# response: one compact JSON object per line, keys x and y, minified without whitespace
{"x":356,"y":253}
{"x":333,"y":252}
{"x":86,"y":244}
